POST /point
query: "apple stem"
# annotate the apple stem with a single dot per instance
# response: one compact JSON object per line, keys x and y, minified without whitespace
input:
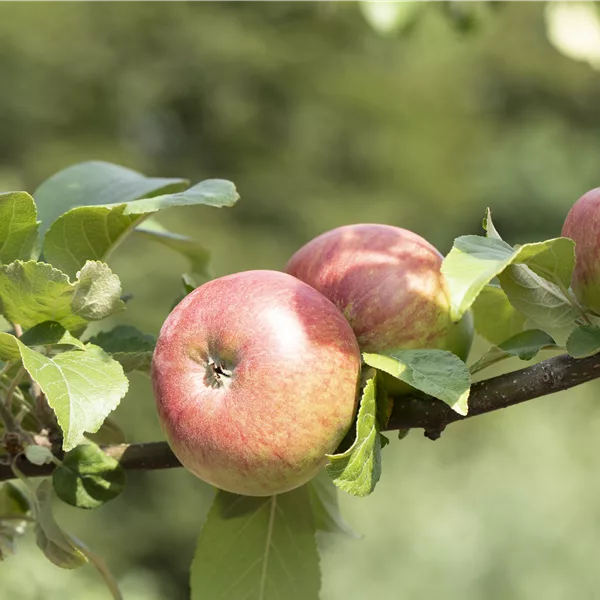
{"x":217,"y":375}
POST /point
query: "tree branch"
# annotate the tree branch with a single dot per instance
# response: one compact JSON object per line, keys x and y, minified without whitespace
{"x":547,"y":377}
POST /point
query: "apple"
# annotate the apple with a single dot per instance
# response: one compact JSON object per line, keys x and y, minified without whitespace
{"x":255,"y":377}
{"x":387,"y":282}
{"x":582,"y":225}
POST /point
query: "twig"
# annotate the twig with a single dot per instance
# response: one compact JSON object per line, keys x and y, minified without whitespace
{"x":547,"y":377}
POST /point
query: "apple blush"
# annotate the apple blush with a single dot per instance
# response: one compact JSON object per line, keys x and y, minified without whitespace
{"x":255,"y":377}
{"x":387,"y":282}
{"x":582,"y":225}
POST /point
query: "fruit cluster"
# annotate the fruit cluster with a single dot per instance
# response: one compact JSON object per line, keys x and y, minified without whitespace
{"x":256,"y":374}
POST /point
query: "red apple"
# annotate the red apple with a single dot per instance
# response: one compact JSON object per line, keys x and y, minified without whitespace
{"x":387,"y":282}
{"x":255,"y":377}
{"x":583,"y":226}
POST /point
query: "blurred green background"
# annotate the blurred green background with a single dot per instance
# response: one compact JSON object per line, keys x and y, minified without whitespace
{"x":322,"y":120}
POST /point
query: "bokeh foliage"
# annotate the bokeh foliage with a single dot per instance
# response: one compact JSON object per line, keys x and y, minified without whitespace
{"x":320,"y":121}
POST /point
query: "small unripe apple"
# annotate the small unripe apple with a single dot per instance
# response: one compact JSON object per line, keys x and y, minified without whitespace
{"x":255,"y":377}
{"x":582,"y":225}
{"x":387,"y":282}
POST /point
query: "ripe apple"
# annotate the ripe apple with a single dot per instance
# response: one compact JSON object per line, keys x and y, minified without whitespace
{"x":388,"y":284}
{"x":255,"y":377}
{"x":583,"y":226}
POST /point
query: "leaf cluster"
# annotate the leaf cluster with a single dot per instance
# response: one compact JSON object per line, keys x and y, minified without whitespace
{"x":58,"y":384}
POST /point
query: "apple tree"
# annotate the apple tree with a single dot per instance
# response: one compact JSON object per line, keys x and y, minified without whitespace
{"x":62,"y":374}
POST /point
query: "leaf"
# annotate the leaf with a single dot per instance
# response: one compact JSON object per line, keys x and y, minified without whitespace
{"x":109,"y":433}
{"x":18,"y":226}
{"x":538,"y":299}
{"x":325,"y":506}
{"x":128,"y":345}
{"x":57,"y":545}
{"x":437,"y":373}
{"x":33,"y":292}
{"x":97,"y":293}
{"x":38,"y":455}
{"x":50,"y":333}
{"x":538,"y":286}
{"x":358,"y":469}
{"x":217,"y":193}
{"x":553,"y":260}
{"x":524,"y":345}
{"x":13,"y":501}
{"x":97,"y":182}
{"x":93,"y":232}
{"x":584,"y":341}
{"x":385,"y":402}
{"x":13,"y":505}
{"x":197,"y":254}
{"x":82,"y":387}
{"x":475,"y":260}
{"x":257,"y":549}
{"x":189,"y":284}
{"x":471,"y":264}
{"x":88,"y":477}
{"x":495,"y":317}
{"x":9,"y":347}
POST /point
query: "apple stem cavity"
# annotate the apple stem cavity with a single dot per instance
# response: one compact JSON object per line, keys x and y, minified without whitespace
{"x":217,"y":375}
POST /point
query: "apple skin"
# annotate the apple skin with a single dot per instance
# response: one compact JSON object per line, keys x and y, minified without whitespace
{"x":582,"y":225}
{"x":255,"y":377}
{"x":388,"y":284}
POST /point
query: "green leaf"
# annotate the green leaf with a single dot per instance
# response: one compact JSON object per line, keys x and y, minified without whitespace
{"x":97,"y":293}
{"x":9,"y":347}
{"x":385,"y":402}
{"x":584,"y":341}
{"x":33,"y":292}
{"x":109,"y":433}
{"x":524,"y":345}
{"x":471,"y":264}
{"x":438,"y":373}
{"x":495,"y":317}
{"x":38,"y":455}
{"x":258,"y":549}
{"x":189,"y":284}
{"x":93,"y":232}
{"x":325,"y":506}
{"x":13,"y":504}
{"x":82,"y":387}
{"x":475,"y":260}
{"x":50,"y":333}
{"x":540,"y":300}
{"x":57,"y":545}
{"x":128,"y":345}
{"x":197,"y":254}
{"x":553,"y":259}
{"x":217,"y":193}
{"x":96,"y":182}
{"x":13,"y":501}
{"x":18,"y":226}
{"x":88,"y":477}
{"x":358,"y":469}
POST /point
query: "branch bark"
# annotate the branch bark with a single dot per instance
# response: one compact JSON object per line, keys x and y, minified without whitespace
{"x":546,"y":377}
